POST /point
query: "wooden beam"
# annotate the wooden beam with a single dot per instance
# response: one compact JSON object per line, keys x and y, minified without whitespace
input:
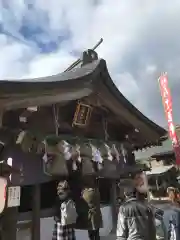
{"x":114,"y":205}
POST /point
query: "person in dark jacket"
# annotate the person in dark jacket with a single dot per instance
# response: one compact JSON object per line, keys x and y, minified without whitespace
{"x":135,"y":218}
{"x":62,"y":232}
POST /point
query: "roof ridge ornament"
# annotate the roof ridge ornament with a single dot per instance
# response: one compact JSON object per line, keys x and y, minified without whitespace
{"x":74,"y":64}
{"x":89,"y":56}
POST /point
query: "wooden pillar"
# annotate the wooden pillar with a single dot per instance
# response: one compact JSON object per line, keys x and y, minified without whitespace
{"x":36,"y":208}
{"x":9,"y":223}
{"x":114,"y":205}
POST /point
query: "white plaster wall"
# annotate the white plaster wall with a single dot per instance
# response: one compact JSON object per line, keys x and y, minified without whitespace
{"x":47,"y":228}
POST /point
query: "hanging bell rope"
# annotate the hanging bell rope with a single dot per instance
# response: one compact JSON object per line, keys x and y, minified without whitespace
{"x":73,"y":65}
{"x":56,"y":118}
{"x":105,"y":126}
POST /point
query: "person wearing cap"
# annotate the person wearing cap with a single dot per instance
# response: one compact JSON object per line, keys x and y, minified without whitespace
{"x":135,"y":218}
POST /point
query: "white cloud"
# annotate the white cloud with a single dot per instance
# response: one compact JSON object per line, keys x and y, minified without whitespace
{"x":128,"y":85}
{"x":49,"y":65}
{"x":140,"y":41}
{"x":150,"y":69}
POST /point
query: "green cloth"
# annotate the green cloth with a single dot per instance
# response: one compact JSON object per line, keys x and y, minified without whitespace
{"x":92,"y":197}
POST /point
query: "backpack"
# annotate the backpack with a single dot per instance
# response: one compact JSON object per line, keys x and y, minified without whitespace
{"x":68,"y":213}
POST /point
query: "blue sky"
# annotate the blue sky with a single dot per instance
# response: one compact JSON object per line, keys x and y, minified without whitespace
{"x":43,"y":37}
{"x":33,"y":29}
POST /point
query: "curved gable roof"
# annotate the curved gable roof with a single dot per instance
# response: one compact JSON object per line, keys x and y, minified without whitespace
{"x":76,"y":84}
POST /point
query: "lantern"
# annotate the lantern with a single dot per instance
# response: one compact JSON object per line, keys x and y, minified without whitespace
{"x":82,"y":115}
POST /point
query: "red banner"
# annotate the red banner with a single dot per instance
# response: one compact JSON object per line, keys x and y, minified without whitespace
{"x":167,"y":102}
